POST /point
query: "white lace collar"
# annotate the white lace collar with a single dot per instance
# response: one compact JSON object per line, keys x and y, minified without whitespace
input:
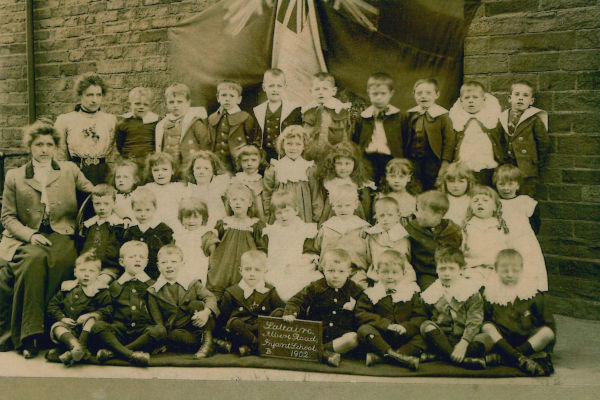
{"x":181,"y":280}
{"x":434,"y":111}
{"x":395,"y":233}
{"x":198,"y":233}
{"x":483,"y":224}
{"x":260,"y":288}
{"x":498,"y":293}
{"x":460,"y":291}
{"x":112,"y":219}
{"x":370,"y":111}
{"x":141,"y":276}
{"x":244,"y":177}
{"x":345,"y":225}
{"x":245,"y":224}
{"x":289,"y":170}
{"x":404,"y":292}
{"x":333,"y":183}
{"x":333,"y":104}
{"x":488,"y":116}
{"x":148,"y":118}
{"x":90,"y":291}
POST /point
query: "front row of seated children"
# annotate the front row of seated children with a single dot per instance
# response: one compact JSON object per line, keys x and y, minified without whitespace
{"x":454,"y":319}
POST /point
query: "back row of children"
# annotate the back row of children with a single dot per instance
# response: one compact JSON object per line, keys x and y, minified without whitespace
{"x":455,"y":319}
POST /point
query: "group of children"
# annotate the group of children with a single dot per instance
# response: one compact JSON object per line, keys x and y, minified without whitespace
{"x":333,"y":228}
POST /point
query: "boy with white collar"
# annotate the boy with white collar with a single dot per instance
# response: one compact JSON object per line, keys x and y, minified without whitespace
{"x":476,"y":120}
{"x":148,"y":228}
{"x":135,"y":133}
{"x":520,"y":321}
{"x":429,"y":142}
{"x":131,"y":322}
{"x":455,"y":311}
{"x":326,"y":119}
{"x":379,"y":132}
{"x":103,"y":233}
{"x":241,"y":304}
{"x":526,"y":133}
{"x":183,"y":130}
{"x":275,"y":114}
{"x":390,"y":314}
{"x":184,"y":307}
{"x":229,"y":127}
{"x":75,"y":309}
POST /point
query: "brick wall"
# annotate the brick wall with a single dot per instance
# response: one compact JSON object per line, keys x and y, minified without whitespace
{"x":555,"y":45}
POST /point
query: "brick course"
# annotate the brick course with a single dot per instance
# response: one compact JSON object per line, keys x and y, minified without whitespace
{"x":552,"y":43}
{"x":555,"y":45}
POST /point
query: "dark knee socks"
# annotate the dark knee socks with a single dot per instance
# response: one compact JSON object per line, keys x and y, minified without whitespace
{"x":111,"y":341}
{"x":439,"y":341}
{"x":526,"y":348}
{"x":241,"y":334}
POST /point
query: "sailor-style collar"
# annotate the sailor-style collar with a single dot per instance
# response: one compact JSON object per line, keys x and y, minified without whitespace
{"x":434,"y":111}
{"x":370,"y":111}
{"x":148,"y":118}
{"x":498,"y":293}
{"x":488,"y":116}
{"x":141,"y":276}
{"x":528,"y":113}
{"x":260,"y":288}
{"x":404,"y":291}
{"x":460,"y":291}
{"x":113,"y":219}
{"x":333,"y":104}
{"x":343,"y":226}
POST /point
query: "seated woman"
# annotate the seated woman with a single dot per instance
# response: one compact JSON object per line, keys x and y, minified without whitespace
{"x":38,"y":213}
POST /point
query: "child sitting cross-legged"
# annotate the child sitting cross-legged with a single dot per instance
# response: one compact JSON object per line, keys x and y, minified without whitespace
{"x":242,"y":303}
{"x":455,"y":311}
{"x":184,"y":307}
{"x":75,"y":309}
{"x":520,"y":322}
{"x":390,"y":314}
{"x":331,"y":300}
{"x":130,"y":330}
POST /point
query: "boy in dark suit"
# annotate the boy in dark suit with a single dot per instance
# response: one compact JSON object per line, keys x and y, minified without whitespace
{"x":275,"y":114}
{"x":429,"y":141}
{"x":229,"y":127}
{"x":241,"y":304}
{"x":526,"y":133}
{"x":379,"y":131}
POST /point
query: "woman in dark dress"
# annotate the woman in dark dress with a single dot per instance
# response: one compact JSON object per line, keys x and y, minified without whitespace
{"x":39,"y":207}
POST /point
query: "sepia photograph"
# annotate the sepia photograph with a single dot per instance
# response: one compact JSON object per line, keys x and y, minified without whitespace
{"x":265,"y":199}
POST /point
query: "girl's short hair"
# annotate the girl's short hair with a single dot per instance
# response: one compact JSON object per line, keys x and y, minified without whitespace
{"x":229,"y":84}
{"x":392,"y":256}
{"x":254,"y":256}
{"x":361,"y":173}
{"x":342,"y":191}
{"x":239,"y":188}
{"x":250,"y":150}
{"x":491,"y":193}
{"x":159,"y":158}
{"x":178,"y":89}
{"x":88,"y":257}
{"x":507,"y":172}
{"x":140,"y":91}
{"x":169,"y":249}
{"x":456,"y":170}
{"x":132,"y":244}
{"x":281,"y":199}
{"x":141,"y":195}
{"x":292,"y":132}
{"x":380,"y":78}
{"x":103,"y":190}
{"x":510,"y":254}
{"x":37,"y":129}
{"x":215,"y":161}
{"x":433,"y":200}
{"x":88,"y":79}
{"x":402,"y":166}
{"x":191,"y":206}
{"x":449,"y":255}
{"x":124,"y":163}
{"x":430,"y":81}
